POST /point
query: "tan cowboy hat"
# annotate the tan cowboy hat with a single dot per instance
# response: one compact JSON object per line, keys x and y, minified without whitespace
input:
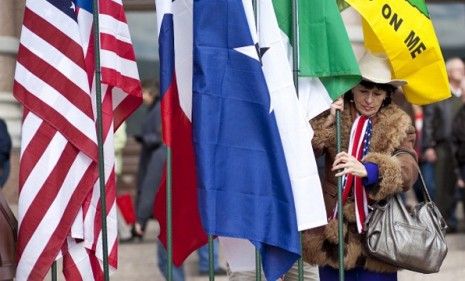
{"x":376,"y":69}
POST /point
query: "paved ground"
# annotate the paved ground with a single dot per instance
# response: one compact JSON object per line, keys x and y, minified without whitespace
{"x":138,"y":262}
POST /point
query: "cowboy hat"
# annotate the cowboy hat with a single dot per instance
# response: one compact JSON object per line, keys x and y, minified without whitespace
{"x":376,"y":69}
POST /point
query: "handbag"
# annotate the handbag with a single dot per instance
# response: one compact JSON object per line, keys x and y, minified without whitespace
{"x":8,"y":230}
{"x":409,"y":239}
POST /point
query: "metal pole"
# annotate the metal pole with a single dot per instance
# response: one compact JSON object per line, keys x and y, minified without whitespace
{"x":295,"y":76}
{"x":258,"y":267}
{"x":101,"y":162}
{"x":340,"y":224}
{"x":169,"y":218}
{"x":54,"y":271}
{"x":295,"y":45}
{"x":211,"y":258}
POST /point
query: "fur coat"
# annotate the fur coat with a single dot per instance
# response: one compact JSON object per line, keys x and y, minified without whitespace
{"x":392,"y":130}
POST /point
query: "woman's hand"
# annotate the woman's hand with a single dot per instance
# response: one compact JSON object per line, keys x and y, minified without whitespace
{"x":336,"y":105}
{"x":348,"y":165}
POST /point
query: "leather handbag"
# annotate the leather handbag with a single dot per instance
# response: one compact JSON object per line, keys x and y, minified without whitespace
{"x":409,"y":239}
{"x":8,"y":230}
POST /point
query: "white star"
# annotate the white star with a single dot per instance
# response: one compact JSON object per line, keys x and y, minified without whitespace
{"x":73,"y":7}
{"x":249,"y":51}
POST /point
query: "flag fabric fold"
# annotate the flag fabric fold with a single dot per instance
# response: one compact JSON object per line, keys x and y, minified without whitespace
{"x":403,"y":30}
{"x":294,"y":130}
{"x":175,"y":43}
{"x":58,"y":208}
{"x":327,"y":65}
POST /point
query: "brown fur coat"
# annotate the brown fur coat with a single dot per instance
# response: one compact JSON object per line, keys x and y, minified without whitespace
{"x":392,"y":130}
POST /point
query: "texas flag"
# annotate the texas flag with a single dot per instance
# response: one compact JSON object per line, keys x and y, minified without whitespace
{"x":175,"y":41}
{"x":257,"y":177}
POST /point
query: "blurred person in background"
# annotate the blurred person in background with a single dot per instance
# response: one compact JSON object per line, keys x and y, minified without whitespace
{"x":151,"y":162}
{"x":204,"y":261}
{"x":152,"y":158}
{"x":437,"y":142}
{"x":458,"y":146}
{"x":5,"y":150}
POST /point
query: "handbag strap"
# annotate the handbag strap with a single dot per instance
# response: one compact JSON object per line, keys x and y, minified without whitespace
{"x":424,"y":190}
{"x":10,"y":217}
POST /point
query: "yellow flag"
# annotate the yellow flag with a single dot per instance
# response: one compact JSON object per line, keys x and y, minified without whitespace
{"x":404,"y":32}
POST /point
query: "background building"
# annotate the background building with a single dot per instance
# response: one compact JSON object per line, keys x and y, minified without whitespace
{"x":10,"y":23}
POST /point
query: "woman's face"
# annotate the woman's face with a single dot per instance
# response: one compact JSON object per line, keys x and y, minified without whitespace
{"x":368,"y":101}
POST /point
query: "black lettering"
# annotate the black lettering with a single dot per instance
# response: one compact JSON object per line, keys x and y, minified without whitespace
{"x":412,"y":40}
{"x":386,"y":11}
{"x":418,"y":50}
{"x":396,"y":22}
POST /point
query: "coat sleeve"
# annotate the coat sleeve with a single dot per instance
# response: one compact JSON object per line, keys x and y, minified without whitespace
{"x":322,"y":133}
{"x":391,"y":166}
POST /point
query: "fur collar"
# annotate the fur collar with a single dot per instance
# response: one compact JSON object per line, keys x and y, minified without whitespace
{"x":390,"y":126}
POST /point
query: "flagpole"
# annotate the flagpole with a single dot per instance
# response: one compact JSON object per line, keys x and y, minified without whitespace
{"x":258,"y":268}
{"x":169,"y":217}
{"x":258,"y":262}
{"x":211,"y":258}
{"x":295,"y":76}
{"x":101,"y":170}
{"x":54,"y":271}
{"x":295,"y":46}
{"x":340,"y":216}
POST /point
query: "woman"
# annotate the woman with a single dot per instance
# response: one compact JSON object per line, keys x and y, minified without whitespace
{"x":373,"y":130}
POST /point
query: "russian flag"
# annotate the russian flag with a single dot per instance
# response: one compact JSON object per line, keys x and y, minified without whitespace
{"x":175,"y":42}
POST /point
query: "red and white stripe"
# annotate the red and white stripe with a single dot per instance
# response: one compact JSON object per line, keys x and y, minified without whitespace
{"x":353,"y":183}
{"x":59,"y":207}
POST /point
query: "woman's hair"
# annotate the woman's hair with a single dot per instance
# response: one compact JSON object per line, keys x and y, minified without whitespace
{"x":389,"y":89}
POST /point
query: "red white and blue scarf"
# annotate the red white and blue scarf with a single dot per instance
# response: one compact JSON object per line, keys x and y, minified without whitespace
{"x":359,"y":145}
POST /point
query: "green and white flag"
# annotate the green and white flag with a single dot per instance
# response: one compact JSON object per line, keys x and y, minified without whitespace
{"x":327,"y":64}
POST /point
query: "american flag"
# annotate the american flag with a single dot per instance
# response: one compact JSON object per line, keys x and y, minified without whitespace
{"x":359,"y":146}
{"x":367,"y":137}
{"x":59,"y":207}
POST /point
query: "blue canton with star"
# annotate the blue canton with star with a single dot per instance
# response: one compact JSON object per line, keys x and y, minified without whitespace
{"x":66,"y":6}
{"x":367,"y":138}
